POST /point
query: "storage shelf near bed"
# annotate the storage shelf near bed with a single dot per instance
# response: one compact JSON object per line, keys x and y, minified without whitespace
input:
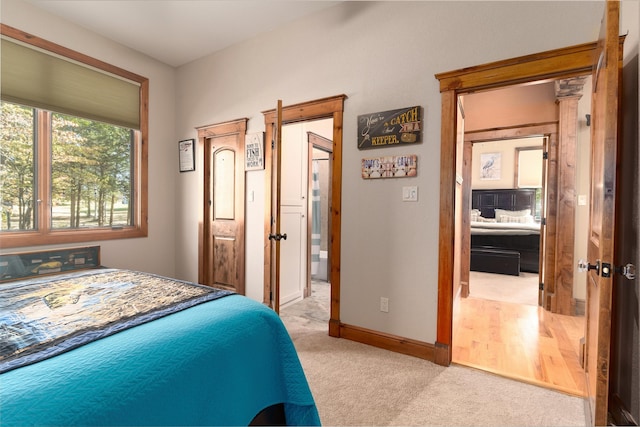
{"x":31,"y":264}
{"x":503,"y":225}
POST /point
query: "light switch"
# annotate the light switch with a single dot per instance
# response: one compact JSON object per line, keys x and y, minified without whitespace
{"x":410,"y":194}
{"x":582,"y":200}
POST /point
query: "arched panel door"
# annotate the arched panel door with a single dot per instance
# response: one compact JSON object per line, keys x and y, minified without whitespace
{"x":222,"y":236}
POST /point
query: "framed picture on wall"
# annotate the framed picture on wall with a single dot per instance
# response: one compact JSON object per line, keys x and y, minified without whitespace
{"x":490,"y":166}
{"x":254,"y":151}
{"x":187,"y":157}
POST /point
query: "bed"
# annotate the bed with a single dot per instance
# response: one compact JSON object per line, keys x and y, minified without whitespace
{"x":505,"y":231}
{"x":86,"y":345}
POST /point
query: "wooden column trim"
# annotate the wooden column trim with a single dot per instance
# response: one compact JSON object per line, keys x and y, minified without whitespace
{"x":565,"y":214}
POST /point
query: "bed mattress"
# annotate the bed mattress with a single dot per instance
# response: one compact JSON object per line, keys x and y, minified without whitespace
{"x":504,"y":228}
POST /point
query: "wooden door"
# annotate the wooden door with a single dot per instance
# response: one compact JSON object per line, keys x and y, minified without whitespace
{"x":624,"y":404}
{"x":275,"y":235}
{"x":222,"y":235}
{"x":600,"y":247}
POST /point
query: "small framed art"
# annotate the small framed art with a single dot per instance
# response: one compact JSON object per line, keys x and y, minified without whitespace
{"x":254,"y":151}
{"x":187,"y":156}
{"x":490,"y":166}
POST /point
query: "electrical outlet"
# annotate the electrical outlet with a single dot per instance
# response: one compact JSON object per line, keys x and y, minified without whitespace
{"x":384,"y":304}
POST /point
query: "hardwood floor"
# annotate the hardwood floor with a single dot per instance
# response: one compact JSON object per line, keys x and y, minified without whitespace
{"x":519,"y":341}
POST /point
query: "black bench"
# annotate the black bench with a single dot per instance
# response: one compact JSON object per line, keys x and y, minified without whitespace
{"x":495,"y":260}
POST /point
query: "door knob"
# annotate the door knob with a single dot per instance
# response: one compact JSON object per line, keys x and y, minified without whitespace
{"x":628,"y":271}
{"x":585,"y":266}
{"x":278,"y":237}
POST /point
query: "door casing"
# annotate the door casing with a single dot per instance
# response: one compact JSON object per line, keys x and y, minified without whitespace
{"x":562,"y":63}
{"x":206,"y":269}
{"x":556,"y":64}
{"x":331,"y":107}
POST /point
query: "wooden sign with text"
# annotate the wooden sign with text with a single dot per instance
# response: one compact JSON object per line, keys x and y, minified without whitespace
{"x":390,"y":128}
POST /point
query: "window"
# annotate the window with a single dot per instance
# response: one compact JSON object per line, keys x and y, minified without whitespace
{"x":528,"y":167}
{"x":73,"y":152}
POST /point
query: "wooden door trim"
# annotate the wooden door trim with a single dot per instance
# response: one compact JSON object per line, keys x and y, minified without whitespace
{"x":560,"y":63}
{"x":331,"y":107}
{"x":238,"y":126}
{"x":566,"y":62}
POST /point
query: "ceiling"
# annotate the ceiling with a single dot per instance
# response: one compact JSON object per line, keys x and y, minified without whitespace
{"x":176,"y":32}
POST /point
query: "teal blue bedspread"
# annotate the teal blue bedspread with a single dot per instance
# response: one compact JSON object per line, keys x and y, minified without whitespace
{"x":218,"y":363}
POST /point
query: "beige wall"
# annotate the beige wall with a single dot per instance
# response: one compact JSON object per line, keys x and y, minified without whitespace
{"x":516,"y":105}
{"x":382,"y":55}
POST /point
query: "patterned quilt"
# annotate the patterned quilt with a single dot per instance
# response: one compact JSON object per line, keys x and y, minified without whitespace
{"x":48,"y":316}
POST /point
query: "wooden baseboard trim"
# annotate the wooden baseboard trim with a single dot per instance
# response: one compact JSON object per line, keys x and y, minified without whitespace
{"x":464,"y":289}
{"x":334,"y":328}
{"x":389,"y":342}
{"x":442,"y":354}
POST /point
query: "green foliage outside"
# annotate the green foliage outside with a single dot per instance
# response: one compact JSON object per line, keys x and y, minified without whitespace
{"x":91,"y":165}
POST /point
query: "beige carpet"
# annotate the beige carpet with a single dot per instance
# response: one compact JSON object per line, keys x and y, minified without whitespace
{"x":521,"y":289}
{"x":357,"y":384}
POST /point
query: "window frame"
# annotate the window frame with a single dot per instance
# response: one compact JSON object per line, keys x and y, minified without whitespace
{"x":516,"y":164}
{"x":44,"y":235}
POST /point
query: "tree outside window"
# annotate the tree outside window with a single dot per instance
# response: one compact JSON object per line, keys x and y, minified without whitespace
{"x":90,"y":171}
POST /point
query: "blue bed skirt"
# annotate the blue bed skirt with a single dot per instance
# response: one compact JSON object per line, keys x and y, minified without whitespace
{"x":218,"y":363}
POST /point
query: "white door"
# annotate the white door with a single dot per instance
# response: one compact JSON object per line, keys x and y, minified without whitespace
{"x":293,"y":213}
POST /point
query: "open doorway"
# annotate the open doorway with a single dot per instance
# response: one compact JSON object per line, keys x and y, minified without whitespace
{"x":499,"y":326}
{"x":305,"y":206}
{"x":562,"y":63}
{"x":326,"y":108}
{"x":314,"y":306}
{"x":506,"y":203}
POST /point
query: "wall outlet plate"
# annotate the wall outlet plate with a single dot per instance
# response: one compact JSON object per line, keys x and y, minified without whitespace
{"x":410,"y":194}
{"x":384,"y":304}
